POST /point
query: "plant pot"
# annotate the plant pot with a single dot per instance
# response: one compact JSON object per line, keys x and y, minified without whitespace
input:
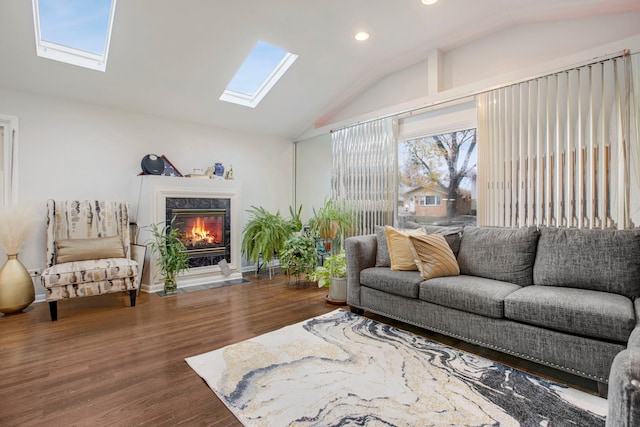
{"x":170,"y":285}
{"x":327,"y":230}
{"x":16,"y":286}
{"x":338,"y":290}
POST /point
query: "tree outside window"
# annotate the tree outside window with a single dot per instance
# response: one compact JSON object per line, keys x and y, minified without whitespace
{"x":437,"y":182}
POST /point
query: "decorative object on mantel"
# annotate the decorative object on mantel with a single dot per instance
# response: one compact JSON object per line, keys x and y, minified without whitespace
{"x":197,"y":173}
{"x":229,"y":174}
{"x":172,"y":254}
{"x":16,"y":286}
{"x":152,"y":165}
{"x":169,"y":169}
{"x":218,"y":169}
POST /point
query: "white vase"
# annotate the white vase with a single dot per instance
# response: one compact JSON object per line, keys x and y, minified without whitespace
{"x":338,"y":289}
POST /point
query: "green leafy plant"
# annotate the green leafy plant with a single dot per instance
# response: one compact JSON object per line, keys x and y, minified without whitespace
{"x":334,"y":266}
{"x":333,"y":220}
{"x":299,"y":256}
{"x":171,"y":252}
{"x":295,"y":220}
{"x":264,"y":234}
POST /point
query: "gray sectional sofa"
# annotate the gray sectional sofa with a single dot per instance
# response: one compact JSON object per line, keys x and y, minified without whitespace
{"x":562,"y":297}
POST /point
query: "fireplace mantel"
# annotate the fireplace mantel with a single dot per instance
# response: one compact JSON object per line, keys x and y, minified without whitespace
{"x":148,"y":206}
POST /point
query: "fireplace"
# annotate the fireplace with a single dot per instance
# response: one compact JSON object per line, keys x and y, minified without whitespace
{"x":207,"y":213}
{"x":204,"y":226}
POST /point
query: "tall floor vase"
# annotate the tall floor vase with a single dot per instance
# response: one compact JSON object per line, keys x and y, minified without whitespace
{"x":16,"y":286}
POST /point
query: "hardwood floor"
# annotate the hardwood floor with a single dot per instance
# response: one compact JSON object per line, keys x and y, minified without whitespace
{"x":104,"y":363}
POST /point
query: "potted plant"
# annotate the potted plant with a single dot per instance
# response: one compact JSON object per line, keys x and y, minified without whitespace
{"x":264,"y":234}
{"x":333,"y":220}
{"x":333,"y":274}
{"x":299,"y":256}
{"x":171,"y":252}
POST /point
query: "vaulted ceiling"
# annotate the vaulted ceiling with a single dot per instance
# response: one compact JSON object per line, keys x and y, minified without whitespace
{"x":174,"y":58}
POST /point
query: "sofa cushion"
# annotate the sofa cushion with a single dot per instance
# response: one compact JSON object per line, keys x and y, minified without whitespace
{"x":400,"y":248}
{"x":505,"y":254}
{"x":451,"y":234}
{"x":68,"y":250}
{"x":600,"y":260}
{"x":468,"y":293}
{"x":77,"y":272}
{"x":583,"y":312}
{"x":402,"y":283}
{"x":433,"y":256}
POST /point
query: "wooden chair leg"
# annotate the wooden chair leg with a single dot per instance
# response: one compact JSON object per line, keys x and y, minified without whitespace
{"x":132,"y":297}
{"x":53,"y":309}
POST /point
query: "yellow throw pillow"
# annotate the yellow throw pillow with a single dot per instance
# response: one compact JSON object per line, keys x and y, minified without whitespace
{"x":400,"y":247}
{"x":85,"y":249}
{"x":433,"y":256}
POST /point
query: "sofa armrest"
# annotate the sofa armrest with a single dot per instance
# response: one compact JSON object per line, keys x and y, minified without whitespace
{"x":624,"y":385}
{"x":360,"y":254}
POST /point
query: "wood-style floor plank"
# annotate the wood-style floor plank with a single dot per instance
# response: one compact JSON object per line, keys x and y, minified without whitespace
{"x":104,"y":363}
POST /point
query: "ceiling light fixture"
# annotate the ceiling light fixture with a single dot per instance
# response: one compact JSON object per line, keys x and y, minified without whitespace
{"x":429,"y":2}
{"x":362,"y":36}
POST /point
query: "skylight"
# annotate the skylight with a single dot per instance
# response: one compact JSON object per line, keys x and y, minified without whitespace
{"x":73,"y":31}
{"x":259,"y":72}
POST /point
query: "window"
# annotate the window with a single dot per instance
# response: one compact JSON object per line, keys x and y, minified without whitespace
{"x":259,"y":72}
{"x":75,"y":32}
{"x":430,"y":200}
{"x":444,"y":164}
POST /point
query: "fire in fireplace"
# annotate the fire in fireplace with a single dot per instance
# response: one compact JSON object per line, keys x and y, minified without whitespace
{"x":201,"y":230}
{"x":205,"y":224}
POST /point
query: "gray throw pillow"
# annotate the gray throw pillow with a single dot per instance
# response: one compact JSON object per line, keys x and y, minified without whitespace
{"x":499,"y":253}
{"x":451,"y":234}
{"x":383,"y":259}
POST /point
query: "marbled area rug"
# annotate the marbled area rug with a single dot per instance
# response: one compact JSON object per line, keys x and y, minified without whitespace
{"x":342,"y":369}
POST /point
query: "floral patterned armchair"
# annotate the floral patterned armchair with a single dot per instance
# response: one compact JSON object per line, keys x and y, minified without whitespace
{"x":88,"y":251}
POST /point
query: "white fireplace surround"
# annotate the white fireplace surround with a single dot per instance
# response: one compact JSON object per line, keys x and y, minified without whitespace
{"x":148,"y":206}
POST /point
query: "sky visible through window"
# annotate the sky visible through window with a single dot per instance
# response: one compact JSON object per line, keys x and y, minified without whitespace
{"x":78,"y":24}
{"x":262,"y":60}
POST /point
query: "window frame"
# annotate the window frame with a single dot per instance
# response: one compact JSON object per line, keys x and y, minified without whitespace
{"x":272,"y":78}
{"x":69,"y":55}
{"x":436,"y":197}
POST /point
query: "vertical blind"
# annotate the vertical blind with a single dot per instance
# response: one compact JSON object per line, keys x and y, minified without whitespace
{"x":363,"y":172}
{"x":558,"y":150}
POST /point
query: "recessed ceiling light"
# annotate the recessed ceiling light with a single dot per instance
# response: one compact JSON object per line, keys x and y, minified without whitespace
{"x":362,"y":36}
{"x":429,"y":1}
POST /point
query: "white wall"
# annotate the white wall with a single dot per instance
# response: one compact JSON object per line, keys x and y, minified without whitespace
{"x":70,"y":150}
{"x":401,"y":86}
{"x":313,"y":177}
{"x":514,"y":49}
{"x":528,"y":45}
